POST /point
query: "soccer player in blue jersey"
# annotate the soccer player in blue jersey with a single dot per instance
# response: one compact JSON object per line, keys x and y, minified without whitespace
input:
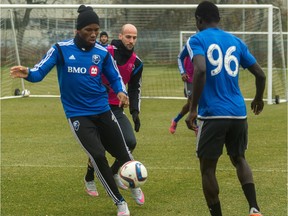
{"x":221,"y":116}
{"x":80,"y":64}
{"x":186,"y":69}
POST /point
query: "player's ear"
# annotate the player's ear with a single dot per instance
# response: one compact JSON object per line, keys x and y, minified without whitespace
{"x":199,"y":19}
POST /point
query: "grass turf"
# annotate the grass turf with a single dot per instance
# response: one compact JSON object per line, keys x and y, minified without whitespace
{"x":42,"y":166}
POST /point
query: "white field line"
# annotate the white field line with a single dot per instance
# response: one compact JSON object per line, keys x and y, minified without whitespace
{"x":151,"y":168}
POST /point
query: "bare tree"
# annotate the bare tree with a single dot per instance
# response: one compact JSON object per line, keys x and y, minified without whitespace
{"x":22,"y":21}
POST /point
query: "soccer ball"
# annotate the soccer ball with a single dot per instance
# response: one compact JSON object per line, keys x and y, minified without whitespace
{"x":25,"y":93}
{"x":133,"y":174}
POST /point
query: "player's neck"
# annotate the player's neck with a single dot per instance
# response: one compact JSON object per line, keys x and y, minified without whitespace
{"x":82,"y":44}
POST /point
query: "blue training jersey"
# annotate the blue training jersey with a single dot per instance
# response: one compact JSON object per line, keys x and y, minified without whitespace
{"x":79,"y":77}
{"x":180,"y":60}
{"x":224,"y":53}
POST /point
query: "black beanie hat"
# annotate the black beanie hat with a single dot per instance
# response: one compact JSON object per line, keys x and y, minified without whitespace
{"x":208,"y":11}
{"x":86,"y":17}
{"x":103,"y":33}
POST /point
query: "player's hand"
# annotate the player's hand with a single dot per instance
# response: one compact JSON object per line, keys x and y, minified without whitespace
{"x":191,"y":121}
{"x":19,"y":72}
{"x":136,"y":120}
{"x":123,"y":99}
{"x":185,"y":77}
{"x":257,"y":106}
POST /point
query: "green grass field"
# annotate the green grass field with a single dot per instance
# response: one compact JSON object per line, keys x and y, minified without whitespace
{"x":42,"y":165}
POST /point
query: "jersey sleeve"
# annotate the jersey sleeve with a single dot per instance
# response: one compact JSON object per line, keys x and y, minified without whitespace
{"x":112,"y":74}
{"x":246,"y":59}
{"x":194,"y":47}
{"x":181,"y":57}
{"x":134,"y":88}
{"x":41,"y":69}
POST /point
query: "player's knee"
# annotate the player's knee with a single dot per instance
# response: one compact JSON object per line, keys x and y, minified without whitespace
{"x":131,"y":143}
{"x":99,"y":157}
{"x":237,"y":160}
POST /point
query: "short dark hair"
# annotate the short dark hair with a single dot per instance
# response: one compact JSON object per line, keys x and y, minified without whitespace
{"x":207,"y":11}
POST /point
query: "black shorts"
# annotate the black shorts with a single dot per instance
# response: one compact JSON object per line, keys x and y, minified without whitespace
{"x":213,"y":134}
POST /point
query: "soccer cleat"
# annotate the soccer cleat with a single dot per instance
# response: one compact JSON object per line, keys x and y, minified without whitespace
{"x":254,"y":212}
{"x":90,"y":188}
{"x":123,"y":209}
{"x":138,"y":195}
{"x":173,"y":127}
{"x":119,"y":182}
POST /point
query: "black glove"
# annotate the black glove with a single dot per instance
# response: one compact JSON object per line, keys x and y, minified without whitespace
{"x":136,"y":121}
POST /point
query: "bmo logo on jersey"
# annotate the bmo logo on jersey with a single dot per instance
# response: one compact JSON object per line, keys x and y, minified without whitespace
{"x":81,"y":70}
{"x":94,"y":70}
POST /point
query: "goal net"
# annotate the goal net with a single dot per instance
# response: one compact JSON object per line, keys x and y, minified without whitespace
{"x":28,"y":31}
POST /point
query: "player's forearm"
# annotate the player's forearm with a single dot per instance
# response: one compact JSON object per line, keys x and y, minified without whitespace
{"x":134,"y":97}
{"x":134,"y":105}
{"x":36,"y":76}
{"x":180,"y":61}
{"x":196,"y":92}
{"x":40,"y":70}
{"x":260,"y":87}
{"x":118,"y":86}
{"x":260,"y":80}
{"x":113,"y":77}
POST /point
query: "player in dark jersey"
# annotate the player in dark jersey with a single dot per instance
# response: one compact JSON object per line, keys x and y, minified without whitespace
{"x":80,"y":64}
{"x":221,"y":116}
{"x":130,"y":67}
{"x":104,"y":39}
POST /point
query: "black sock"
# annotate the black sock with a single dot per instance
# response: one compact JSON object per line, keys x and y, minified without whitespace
{"x":250,"y":194}
{"x":215,"y":209}
{"x":90,"y":173}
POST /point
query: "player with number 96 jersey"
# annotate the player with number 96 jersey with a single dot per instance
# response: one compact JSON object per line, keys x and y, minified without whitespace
{"x":223,"y":59}
{"x":221,"y":115}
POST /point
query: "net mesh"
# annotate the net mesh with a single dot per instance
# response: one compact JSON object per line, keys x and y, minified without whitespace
{"x":158,"y":44}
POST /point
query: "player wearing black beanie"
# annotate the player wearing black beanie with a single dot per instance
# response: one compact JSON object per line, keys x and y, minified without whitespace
{"x":86,"y":17}
{"x":80,"y":64}
{"x":87,"y":28}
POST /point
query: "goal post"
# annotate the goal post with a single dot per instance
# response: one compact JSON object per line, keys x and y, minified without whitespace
{"x":158,"y":42}
{"x":16,"y":48}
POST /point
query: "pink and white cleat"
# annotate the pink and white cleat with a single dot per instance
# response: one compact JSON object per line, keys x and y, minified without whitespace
{"x":90,"y":188}
{"x":138,"y":195}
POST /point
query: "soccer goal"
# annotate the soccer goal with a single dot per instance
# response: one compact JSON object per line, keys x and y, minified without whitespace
{"x":28,"y":31}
